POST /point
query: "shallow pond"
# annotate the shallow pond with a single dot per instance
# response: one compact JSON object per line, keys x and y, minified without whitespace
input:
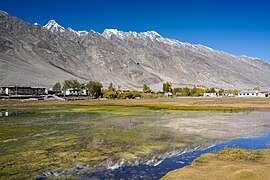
{"x":171,"y":163}
{"x":113,"y":142}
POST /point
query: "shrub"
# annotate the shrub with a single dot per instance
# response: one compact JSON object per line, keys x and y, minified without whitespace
{"x":109,"y":94}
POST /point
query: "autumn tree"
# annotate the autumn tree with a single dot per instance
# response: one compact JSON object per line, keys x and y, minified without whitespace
{"x":193,"y":91}
{"x":119,"y":88}
{"x":256,"y":88}
{"x":199,"y":92}
{"x":221,"y":91}
{"x":146,"y":89}
{"x":167,"y":87}
{"x":111,"y":87}
{"x":212,"y":90}
{"x":186,"y":92}
{"x":110,"y":92}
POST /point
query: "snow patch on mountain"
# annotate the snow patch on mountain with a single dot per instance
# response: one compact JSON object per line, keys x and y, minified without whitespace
{"x":144,"y":36}
{"x":53,"y":26}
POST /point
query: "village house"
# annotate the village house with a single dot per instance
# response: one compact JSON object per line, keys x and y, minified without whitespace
{"x":228,"y":95}
{"x":22,"y":90}
{"x":252,"y":93}
{"x":168,"y":94}
{"x":54,"y":92}
{"x":76,"y":92}
{"x":210,"y":94}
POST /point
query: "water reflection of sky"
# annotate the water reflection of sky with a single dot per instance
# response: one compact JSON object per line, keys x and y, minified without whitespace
{"x":169,"y":164}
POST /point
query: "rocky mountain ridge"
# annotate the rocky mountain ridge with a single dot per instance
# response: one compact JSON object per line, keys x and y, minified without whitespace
{"x":40,"y":56}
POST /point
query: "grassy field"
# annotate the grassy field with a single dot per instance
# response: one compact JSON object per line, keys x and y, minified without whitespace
{"x":227,"y":164}
{"x":58,"y":135}
{"x":159,"y":103}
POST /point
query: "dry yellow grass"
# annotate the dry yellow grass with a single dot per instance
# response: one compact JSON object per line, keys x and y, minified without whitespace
{"x":211,"y":166}
{"x":198,"y":102}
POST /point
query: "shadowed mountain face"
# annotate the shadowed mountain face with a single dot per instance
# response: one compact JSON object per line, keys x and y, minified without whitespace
{"x":40,"y":56}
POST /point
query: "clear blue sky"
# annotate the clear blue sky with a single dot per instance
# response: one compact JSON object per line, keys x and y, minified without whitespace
{"x":239,"y":27}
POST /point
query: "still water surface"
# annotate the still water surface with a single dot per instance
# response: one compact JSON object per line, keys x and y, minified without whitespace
{"x":172,"y":163}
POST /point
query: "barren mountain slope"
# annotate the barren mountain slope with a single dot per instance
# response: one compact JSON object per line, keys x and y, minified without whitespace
{"x":40,"y":56}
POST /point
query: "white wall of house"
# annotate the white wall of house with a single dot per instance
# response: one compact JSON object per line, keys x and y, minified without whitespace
{"x":71,"y":91}
{"x":6,"y":90}
{"x":168,"y":94}
{"x":228,"y":94}
{"x":68,"y":92}
{"x":210,"y":94}
{"x":252,"y":94}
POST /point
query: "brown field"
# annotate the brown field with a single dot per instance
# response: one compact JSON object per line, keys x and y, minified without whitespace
{"x":191,"y":102}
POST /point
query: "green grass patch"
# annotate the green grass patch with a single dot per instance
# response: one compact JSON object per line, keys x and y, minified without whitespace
{"x":60,"y":137}
{"x":56,"y":138}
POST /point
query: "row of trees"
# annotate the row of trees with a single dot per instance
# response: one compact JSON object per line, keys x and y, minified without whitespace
{"x":71,"y":83}
{"x":199,"y":92}
{"x":113,"y":93}
{"x":94,"y":87}
{"x":96,"y":91}
{"x":167,"y":87}
{"x":188,"y":91}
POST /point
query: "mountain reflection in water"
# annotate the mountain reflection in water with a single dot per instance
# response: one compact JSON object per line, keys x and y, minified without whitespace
{"x":172,"y":163}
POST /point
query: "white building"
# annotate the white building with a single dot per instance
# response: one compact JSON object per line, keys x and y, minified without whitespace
{"x":76,"y":92}
{"x":168,"y":94}
{"x":210,"y":94}
{"x":252,"y":94}
{"x":228,"y":94}
{"x":84,"y":92}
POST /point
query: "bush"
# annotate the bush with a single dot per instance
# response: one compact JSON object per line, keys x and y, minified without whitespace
{"x":136,"y":94}
{"x":126,"y":95}
{"x":130,"y":95}
{"x":149,"y":96}
{"x":109,"y":94}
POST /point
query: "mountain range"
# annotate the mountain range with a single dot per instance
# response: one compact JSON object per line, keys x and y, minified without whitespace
{"x":35,"y":55}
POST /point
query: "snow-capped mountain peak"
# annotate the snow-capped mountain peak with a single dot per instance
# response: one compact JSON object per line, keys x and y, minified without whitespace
{"x":152,"y":34}
{"x":142,"y":37}
{"x":110,"y":32}
{"x":78,"y":33}
{"x":53,"y":26}
{"x":131,"y":34}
